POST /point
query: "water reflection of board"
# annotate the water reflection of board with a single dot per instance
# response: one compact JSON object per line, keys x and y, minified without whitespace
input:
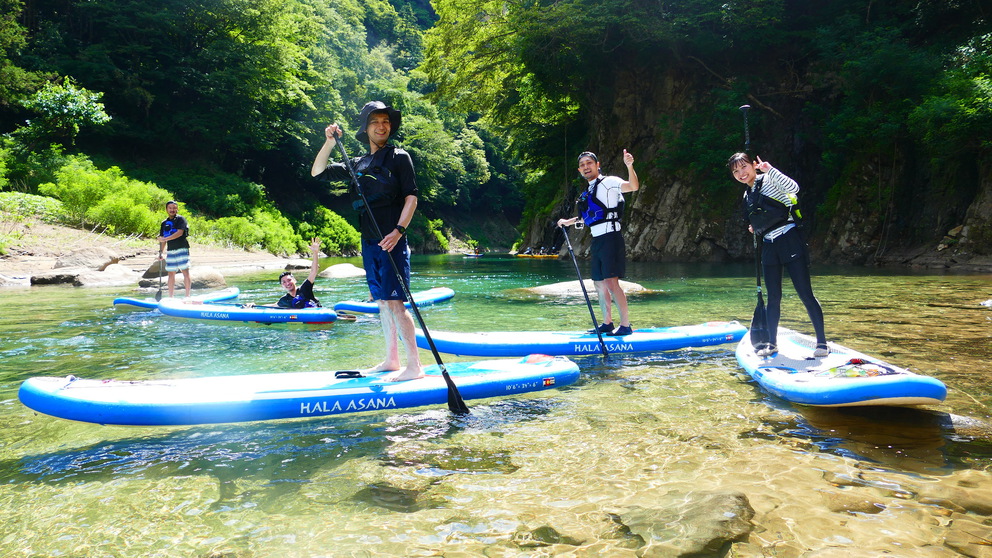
{"x":422,"y":298}
{"x":843,"y":378}
{"x":519,"y":343}
{"x":222,"y":399}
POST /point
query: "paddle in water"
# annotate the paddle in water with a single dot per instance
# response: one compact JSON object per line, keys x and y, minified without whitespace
{"x":455,"y":403}
{"x":592,"y":314}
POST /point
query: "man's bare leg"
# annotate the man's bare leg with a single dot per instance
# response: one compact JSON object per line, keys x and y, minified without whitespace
{"x":407,"y":333}
{"x":187,"y":281}
{"x":605,"y":302}
{"x":392,"y":361}
{"x":172,"y":283}
{"x":613,"y":285}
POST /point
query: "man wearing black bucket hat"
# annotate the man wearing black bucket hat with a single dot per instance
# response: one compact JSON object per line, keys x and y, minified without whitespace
{"x":389,"y":186}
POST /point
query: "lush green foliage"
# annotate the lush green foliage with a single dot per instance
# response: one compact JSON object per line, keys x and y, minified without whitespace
{"x":336,"y":234}
{"x":30,"y":206}
{"x":62,"y":110}
{"x":223,"y":102}
{"x":106,"y":198}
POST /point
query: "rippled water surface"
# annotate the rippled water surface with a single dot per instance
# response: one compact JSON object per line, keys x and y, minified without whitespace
{"x":534,"y":475}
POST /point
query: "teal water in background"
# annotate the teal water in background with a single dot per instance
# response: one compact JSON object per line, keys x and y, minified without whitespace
{"x":422,"y":482}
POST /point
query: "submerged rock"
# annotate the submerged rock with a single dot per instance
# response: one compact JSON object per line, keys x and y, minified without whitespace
{"x":701,"y":525}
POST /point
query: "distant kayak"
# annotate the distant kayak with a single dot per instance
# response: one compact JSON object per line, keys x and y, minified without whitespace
{"x":538,"y":256}
{"x":422,"y":298}
{"x":844,"y":378}
{"x":220,"y":399}
{"x":151,"y":304}
{"x":237,"y":313}
{"x":643,"y":340}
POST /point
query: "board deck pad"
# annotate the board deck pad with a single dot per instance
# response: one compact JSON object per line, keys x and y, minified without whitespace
{"x":224,"y":399}
{"x":519,"y":343}
{"x":843,"y":378}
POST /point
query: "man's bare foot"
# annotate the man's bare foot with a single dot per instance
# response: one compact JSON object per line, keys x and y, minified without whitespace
{"x":381,"y":367}
{"x":404,"y":375}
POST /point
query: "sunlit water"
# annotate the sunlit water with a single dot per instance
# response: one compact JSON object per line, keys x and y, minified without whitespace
{"x":535,"y":475}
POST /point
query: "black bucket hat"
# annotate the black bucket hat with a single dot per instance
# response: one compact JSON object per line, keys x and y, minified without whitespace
{"x":376,"y":106}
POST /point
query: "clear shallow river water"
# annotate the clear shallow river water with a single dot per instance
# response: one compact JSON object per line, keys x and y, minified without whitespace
{"x":540,"y":475}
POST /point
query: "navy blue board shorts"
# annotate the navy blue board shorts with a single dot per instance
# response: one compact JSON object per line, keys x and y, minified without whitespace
{"x":379,"y":273}
{"x":608,"y":258}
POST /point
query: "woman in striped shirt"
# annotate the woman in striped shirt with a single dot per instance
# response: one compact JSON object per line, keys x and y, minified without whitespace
{"x":769,"y":200}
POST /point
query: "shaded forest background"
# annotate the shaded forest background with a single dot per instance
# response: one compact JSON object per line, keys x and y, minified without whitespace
{"x":880,"y":111}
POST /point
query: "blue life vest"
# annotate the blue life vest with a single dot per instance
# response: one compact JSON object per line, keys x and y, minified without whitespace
{"x":592,"y":210}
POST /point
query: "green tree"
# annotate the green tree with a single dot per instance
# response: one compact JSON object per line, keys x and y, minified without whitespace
{"x":63,"y":109}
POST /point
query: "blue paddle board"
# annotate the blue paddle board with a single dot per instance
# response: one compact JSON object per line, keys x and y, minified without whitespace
{"x":281,"y":396}
{"x":151,"y":304}
{"x":178,"y":308}
{"x":422,"y":298}
{"x":844,"y":378}
{"x":519,"y":343}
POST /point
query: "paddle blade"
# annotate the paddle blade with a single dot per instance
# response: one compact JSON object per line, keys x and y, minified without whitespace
{"x":759,"y":324}
{"x":455,"y":403}
{"x":158,"y":296}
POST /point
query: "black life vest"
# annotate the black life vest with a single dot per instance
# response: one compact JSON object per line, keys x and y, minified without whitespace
{"x":377,"y":181}
{"x":592,"y":210}
{"x":765,"y":213}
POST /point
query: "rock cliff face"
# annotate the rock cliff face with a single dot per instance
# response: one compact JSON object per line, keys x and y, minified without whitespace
{"x":878,"y":210}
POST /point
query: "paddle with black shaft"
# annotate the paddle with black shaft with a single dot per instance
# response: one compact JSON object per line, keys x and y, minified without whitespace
{"x":455,"y":403}
{"x":595,"y":325}
{"x":759,"y":321}
{"x":158,"y":295}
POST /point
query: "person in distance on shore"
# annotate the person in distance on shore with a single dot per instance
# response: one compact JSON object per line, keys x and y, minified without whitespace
{"x":768,"y":202}
{"x":173,"y":241}
{"x":389,"y":183}
{"x":601,"y":208}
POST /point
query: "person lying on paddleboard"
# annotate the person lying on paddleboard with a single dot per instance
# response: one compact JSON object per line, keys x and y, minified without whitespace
{"x":299,"y":296}
{"x":770,"y":204}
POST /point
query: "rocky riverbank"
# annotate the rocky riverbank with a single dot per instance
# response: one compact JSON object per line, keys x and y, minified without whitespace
{"x":48,"y":254}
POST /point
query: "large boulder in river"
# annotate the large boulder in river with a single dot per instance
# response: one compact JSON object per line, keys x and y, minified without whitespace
{"x":93,"y":257}
{"x":572,"y":288}
{"x":202,"y":277}
{"x":114,"y":275}
{"x":341,"y":270}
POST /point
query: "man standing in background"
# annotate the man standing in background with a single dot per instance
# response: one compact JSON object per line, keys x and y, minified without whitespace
{"x":173,"y":241}
{"x":601,"y":208}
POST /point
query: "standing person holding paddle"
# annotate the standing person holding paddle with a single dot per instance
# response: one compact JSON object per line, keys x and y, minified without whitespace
{"x":601,"y":207}
{"x":173,"y":242}
{"x":770,"y":203}
{"x":389,"y":185}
